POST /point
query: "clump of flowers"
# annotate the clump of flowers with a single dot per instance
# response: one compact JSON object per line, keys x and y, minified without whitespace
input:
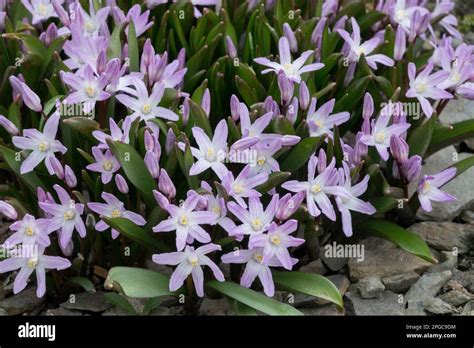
{"x":198,"y":134}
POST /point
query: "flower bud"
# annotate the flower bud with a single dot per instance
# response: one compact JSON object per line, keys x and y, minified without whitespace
{"x":292,"y":112}
{"x":151,"y":162}
{"x":288,"y":205}
{"x":399,"y":149}
{"x":149,"y":141}
{"x":304,"y":96}
{"x":234,"y":107}
{"x":230,"y":48}
{"x":165,"y":185}
{"x":57,"y":167}
{"x":61,"y":12}
{"x":286,"y":88}
{"x":8,"y":125}
{"x":412,"y":168}
{"x":161,"y":199}
{"x":206,"y":102}
{"x":70,"y":177}
{"x":322,"y":161}
{"x":8,"y":210}
{"x":288,"y":33}
{"x":170,"y":140}
{"x":400,"y":44}
{"x":185,"y":111}
{"x":121,"y":184}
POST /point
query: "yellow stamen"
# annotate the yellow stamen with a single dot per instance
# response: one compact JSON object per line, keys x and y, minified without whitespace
{"x":193,"y":260}
{"x":43,"y":147}
{"x":146,"y":109}
{"x":315,"y":188}
{"x":380,"y":137}
{"x":29,"y":231}
{"x":421,"y":88}
{"x":69,"y":215}
{"x":257,"y":224}
{"x":32,"y":262}
{"x":238,"y":188}
{"x":116,"y":213}
{"x":275,"y":239}
{"x":107,"y":165}
{"x":183,"y":220}
{"x":91,"y":91}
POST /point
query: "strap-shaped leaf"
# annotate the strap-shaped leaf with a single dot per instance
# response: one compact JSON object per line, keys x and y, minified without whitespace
{"x":137,"y":282}
{"x":300,"y":154}
{"x":133,"y":53}
{"x":134,"y":168}
{"x":136,"y":233}
{"x":253,"y":299}
{"x":398,"y":235}
{"x":420,"y":138}
{"x":273,"y":181}
{"x":309,"y":284}
{"x":443,"y":137}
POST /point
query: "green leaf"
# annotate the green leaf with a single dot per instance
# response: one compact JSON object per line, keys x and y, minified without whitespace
{"x":444,"y":137}
{"x":384,"y":204}
{"x":83,"y":125}
{"x":134,"y":168}
{"x":137,"y":282}
{"x":309,"y":284}
{"x":253,"y":299}
{"x":240,"y":309}
{"x":274,"y":179}
{"x":463,"y":165}
{"x":199,"y":117}
{"x":30,"y":179}
{"x":398,"y":235}
{"x":420,"y":138}
{"x":115,"y":45}
{"x":85,"y":283}
{"x":121,"y":302}
{"x":133,"y":53}
{"x":300,"y":154}
{"x":135,"y":233}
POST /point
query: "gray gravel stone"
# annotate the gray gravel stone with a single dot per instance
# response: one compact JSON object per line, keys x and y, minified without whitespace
{"x":60,"y":311}
{"x":400,"y":283}
{"x":438,"y":306}
{"x":387,"y":304}
{"x":448,"y":261}
{"x":315,"y":267}
{"x":370,"y":287}
{"x":457,"y":297}
{"x":214,"y":307}
{"x":384,"y":259}
{"x":426,"y":287}
{"x":446,"y":235}
{"x":23,"y":302}
{"x":326,"y":310}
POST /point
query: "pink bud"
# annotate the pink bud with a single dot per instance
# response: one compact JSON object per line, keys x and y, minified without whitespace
{"x":161,"y":199}
{"x":230,"y":48}
{"x":70,"y":177}
{"x":8,"y":210}
{"x":206,"y":102}
{"x":121,"y":184}
{"x":304,"y":96}
{"x":170,"y":140}
{"x":57,"y":167}
{"x":151,"y":162}
{"x":8,"y":125}
{"x":288,"y":33}
{"x":234,"y":107}
{"x":165,"y":185}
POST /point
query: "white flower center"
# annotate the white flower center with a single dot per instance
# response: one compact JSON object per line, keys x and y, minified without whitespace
{"x":380,"y":137}
{"x":116,"y":213}
{"x":421,"y":88}
{"x":258,"y":257}
{"x":261,"y":160}
{"x":400,"y":15}
{"x":193,"y":260}
{"x":29,"y":231}
{"x":426,"y":186}
{"x":359,"y":51}
{"x":42,"y":10}
{"x":238,"y":189}
{"x":146,"y":108}
{"x":456,"y":77}
{"x":316,"y":188}
{"x":91,"y":91}
{"x":90,"y":26}
{"x":69,"y":215}
{"x":257,"y":224}
{"x":216,"y":210}
{"x":32,"y":262}
{"x":43,"y":146}
{"x":183,"y":220}
{"x":275,"y":239}
{"x":211,"y":154}
{"x":107,"y":165}
{"x":288,"y":68}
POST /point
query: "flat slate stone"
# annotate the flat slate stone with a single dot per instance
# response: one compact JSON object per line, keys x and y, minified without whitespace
{"x":90,"y":302}
{"x":386,"y":304}
{"x":23,"y":302}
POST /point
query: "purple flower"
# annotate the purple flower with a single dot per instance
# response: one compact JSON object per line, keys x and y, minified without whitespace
{"x":265,"y":163}
{"x":425,"y":86}
{"x":189,"y":262}
{"x":293,"y":70}
{"x":113,"y":208}
{"x":210,"y":154}
{"x":255,"y":267}
{"x":276,"y":241}
{"x":352,"y":203}
{"x":428,"y":188}
{"x":7,"y":210}
{"x":94,"y":22}
{"x":28,"y":261}
{"x":83,"y":50}
{"x":29,"y":97}
{"x":321,"y":122}
{"x":29,"y":231}
{"x":116,"y":133}
{"x":243,"y":186}
{"x":140,"y":20}
{"x":466,"y":90}
{"x":382,"y":132}
{"x":459,"y":63}
{"x":357,"y":48}
{"x":145,"y":106}
{"x":88,"y":89}
{"x":186,"y":222}
{"x":217,"y":205}
{"x":288,"y":204}
{"x":402,"y":13}
{"x":255,"y":220}
{"x":43,"y":145}
{"x":318,"y":188}
{"x":106,"y":164}
{"x":41,"y":10}
{"x":65,"y":216}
